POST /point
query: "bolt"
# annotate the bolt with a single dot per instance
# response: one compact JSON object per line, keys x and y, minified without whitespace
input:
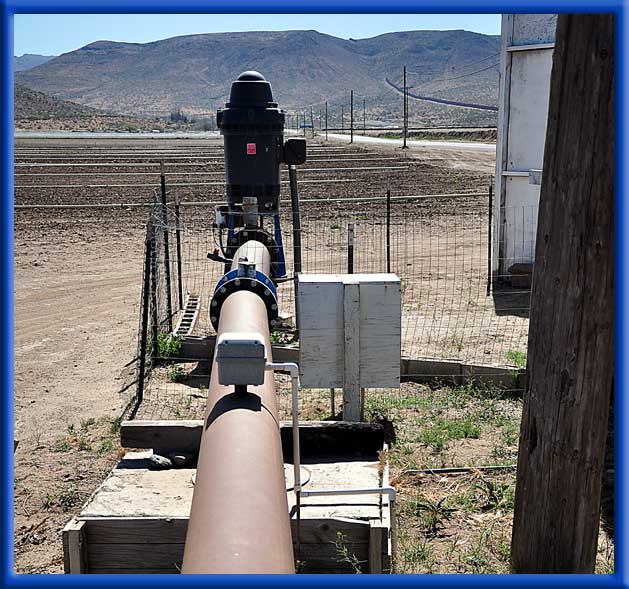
{"x":254,"y":283}
{"x":213,"y":318}
{"x":223,"y":290}
{"x":237,"y":282}
{"x":267,"y":292}
{"x":214,"y":303}
{"x":274,"y":307}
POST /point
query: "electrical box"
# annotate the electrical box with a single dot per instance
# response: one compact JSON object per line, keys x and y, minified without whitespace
{"x":349,"y":330}
{"x":241,"y":359}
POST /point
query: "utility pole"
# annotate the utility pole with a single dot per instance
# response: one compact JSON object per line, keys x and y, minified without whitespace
{"x":303,"y":114}
{"x":571,"y":334}
{"x":351,"y":116}
{"x":364,"y":119}
{"x":326,"y":120}
{"x":342,"y":118}
{"x":405,"y":103}
{"x":312,"y":122}
{"x":319,"y":118}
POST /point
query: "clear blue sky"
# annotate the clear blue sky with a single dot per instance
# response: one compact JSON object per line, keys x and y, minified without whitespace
{"x":54,"y":34}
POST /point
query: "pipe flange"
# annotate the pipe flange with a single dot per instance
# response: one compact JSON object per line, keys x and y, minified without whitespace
{"x":230,"y":283}
{"x":254,"y":234}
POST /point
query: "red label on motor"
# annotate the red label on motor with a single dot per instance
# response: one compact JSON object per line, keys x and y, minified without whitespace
{"x":251,"y":148}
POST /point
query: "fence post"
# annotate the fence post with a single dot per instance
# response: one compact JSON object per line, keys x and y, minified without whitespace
{"x":489,"y":244}
{"x":364,"y":119}
{"x":351,"y":116}
{"x":153,"y":288}
{"x":148,"y":245}
{"x":405,"y":131}
{"x":294,"y":195}
{"x":388,"y":231}
{"x":169,"y":300}
{"x":178,"y":242}
{"x":350,"y":248}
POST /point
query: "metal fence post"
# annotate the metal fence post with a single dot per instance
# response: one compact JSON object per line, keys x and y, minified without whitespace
{"x":351,"y":116}
{"x":169,"y":300}
{"x":148,"y":247}
{"x":178,"y":242}
{"x":489,"y":244}
{"x":350,"y":248}
{"x":388,"y":231}
{"x":153,"y":288}
{"x":405,"y":130}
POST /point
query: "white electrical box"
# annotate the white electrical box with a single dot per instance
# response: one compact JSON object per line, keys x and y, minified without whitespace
{"x":349,"y":330}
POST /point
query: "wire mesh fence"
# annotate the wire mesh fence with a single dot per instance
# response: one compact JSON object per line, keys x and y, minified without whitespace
{"x":455,"y":309}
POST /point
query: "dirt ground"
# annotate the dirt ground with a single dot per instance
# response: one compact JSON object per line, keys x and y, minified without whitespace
{"x":77,"y":290}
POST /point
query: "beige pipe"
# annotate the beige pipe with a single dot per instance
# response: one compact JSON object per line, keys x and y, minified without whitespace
{"x":239,"y":520}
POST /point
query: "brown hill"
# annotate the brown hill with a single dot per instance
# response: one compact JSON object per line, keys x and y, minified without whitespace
{"x":305,"y":68}
{"x":37,"y":111}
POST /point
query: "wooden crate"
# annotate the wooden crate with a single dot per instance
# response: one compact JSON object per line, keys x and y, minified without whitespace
{"x":136,"y":521}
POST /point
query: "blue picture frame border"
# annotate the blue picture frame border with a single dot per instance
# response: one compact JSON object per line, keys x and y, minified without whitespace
{"x":8,"y":8}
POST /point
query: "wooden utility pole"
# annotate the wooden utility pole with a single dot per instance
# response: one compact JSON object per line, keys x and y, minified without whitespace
{"x":312,"y":122}
{"x":342,"y":117}
{"x":326,"y":120}
{"x":405,"y":125}
{"x":571,"y":334}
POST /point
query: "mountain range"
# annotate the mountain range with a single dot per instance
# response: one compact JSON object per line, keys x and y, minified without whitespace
{"x":29,"y":60}
{"x":306,"y":68}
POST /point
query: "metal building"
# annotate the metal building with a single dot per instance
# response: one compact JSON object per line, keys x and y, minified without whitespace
{"x":526,"y":54}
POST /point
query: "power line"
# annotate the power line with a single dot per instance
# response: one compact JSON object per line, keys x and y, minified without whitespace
{"x":466,"y":75}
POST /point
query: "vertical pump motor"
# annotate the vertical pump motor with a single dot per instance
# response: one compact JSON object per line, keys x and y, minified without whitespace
{"x":253,"y":127}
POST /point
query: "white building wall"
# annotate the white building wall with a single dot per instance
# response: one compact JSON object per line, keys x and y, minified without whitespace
{"x":525,"y":70}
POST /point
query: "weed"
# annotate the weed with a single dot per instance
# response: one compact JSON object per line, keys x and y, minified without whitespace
{"x":72,"y":429}
{"x":433,"y":514}
{"x":417,"y":553}
{"x":503,"y":455}
{"x":168,"y":345}
{"x":345,"y":555}
{"x":503,"y":551}
{"x":37,"y":438}
{"x":438,"y":433}
{"x":176,"y":374}
{"x":105,"y":446}
{"x":114,"y":428}
{"x":517,"y":358}
{"x":335,"y":227}
{"x":456,"y":342}
{"x":87,"y":423}
{"x":61,"y":445}
{"x":84,"y":445}
{"x":49,"y":501}
{"x":476,"y":556}
{"x":497,"y":495}
{"x":70,"y":498}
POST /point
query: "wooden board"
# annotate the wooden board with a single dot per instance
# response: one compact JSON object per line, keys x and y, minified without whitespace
{"x":324,"y":319}
{"x":317,"y":438}
{"x":74,"y":547}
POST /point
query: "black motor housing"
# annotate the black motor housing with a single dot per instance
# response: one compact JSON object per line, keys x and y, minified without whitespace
{"x":253,"y":127}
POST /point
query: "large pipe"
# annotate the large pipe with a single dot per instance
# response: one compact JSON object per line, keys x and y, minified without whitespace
{"x":239,"y":521}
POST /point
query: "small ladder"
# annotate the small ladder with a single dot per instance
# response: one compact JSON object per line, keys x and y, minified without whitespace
{"x":189,"y":317}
